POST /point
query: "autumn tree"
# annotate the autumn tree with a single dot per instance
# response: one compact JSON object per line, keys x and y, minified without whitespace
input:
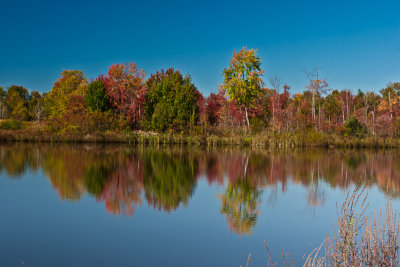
{"x":171,"y":101}
{"x":96,"y":96}
{"x":126,"y":89}
{"x":265,"y":106}
{"x":390,"y":97}
{"x":71,"y":82}
{"x":242,"y":79}
{"x":214,"y":104}
{"x":17,"y":102}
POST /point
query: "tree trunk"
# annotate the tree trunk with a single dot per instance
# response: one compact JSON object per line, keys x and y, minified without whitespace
{"x":247,"y":118}
{"x":313,"y":104}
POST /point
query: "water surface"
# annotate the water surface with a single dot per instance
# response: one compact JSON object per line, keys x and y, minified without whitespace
{"x":115,"y":205}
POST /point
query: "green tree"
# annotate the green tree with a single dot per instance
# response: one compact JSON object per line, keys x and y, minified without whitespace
{"x":332,"y":105}
{"x":72,"y":82}
{"x":17,"y":102}
{"x":354,"y":127}
{"x":242,"y":79}
{"x":171,"y":101}
{"x":96,"y":96}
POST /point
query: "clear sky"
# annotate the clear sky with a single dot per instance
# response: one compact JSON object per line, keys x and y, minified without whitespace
{"x":356,"y":44}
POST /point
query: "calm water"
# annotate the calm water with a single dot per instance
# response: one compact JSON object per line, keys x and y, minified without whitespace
{"x":86,"y":205}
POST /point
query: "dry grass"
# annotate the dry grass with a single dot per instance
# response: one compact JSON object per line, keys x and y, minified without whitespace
{"x":358,"y":239}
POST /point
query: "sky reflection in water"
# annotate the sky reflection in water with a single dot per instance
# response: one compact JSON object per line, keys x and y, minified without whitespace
{"x":177,"y":206}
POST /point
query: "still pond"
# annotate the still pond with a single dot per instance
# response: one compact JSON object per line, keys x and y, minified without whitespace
{"x":119,"y":205}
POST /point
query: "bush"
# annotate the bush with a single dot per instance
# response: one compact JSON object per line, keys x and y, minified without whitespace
{"x":10,"y":125}
{"x":354,"y":127}
{"x":256,"y":124}
{"x":87,"y":122}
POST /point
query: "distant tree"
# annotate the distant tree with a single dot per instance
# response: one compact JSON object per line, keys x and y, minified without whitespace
{"x":72,"y":82}
{"x":317,"y":87}
{"x":214,"y":103}
{"x":171,"y":101}
{"x":276,"y":84}
{"x":3,"y":106}
{"x":201,"y":106}
{"x":332,"y":105}
{"x":96,"y":96}
{"x":126,"y":89}
{"x":384,"y":125}
{"x":390,"y":98}
{"x":265,"y":105}
{"x":17,"y":102}
{"x":242,"y":79}
{"x":36,"y":106}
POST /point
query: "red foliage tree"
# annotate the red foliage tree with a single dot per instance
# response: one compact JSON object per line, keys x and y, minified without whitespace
{"x":126,"y":88}
{"x":214,"y":103}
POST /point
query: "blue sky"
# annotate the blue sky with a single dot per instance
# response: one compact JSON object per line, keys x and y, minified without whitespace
{"x":356,"y":44}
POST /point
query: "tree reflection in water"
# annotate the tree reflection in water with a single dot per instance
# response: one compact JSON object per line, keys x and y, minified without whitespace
{"x":123,"y":177}
{"x":240,"y":204}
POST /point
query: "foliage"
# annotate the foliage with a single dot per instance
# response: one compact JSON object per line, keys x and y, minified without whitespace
{"x":71,"y":82}
{"x":257,"y":124}
{"x":96,"y":96}
{"x":242,"y":79}
{"x":123,"y":100}
{"x":214,"y":104}
{"x":126,"y":89}
{"x":17,"y":102}
{"x":354,"y":128}
{"x":78,"y":119}
{"x":10,"y":125}
{"x":171,"y":101}
{"x":3,"y":106}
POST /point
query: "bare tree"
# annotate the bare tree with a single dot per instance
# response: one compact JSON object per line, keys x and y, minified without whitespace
{"x":313,"y":77}
{"x":276,"y":84}
{"x":317,"y":87}
{"x":39,"y":111}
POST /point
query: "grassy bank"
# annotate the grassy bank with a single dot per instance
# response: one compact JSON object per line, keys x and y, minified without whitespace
{"x":29,"y":133}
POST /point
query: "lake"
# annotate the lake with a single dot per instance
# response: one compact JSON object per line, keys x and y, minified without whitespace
{"x":120,"y":205}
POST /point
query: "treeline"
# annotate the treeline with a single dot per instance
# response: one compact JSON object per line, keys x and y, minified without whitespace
{"x":168,"y":101}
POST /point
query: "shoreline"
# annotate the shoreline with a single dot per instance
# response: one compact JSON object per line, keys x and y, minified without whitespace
{"x":261,"y":140}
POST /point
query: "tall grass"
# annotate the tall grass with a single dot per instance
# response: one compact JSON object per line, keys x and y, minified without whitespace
{"x":358,"y":240}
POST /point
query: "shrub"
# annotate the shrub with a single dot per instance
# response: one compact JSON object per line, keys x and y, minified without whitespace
{"x":11,"y":125}
{"x":354,"y":127}
{"x":256,"y":124}
{"x":96,"y":97}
